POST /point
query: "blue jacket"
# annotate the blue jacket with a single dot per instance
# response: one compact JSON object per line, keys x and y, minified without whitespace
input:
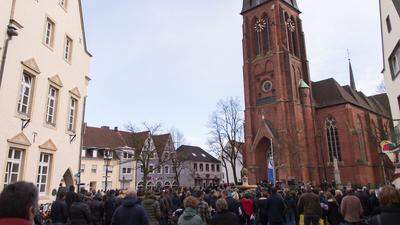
{"x":131,"y":212}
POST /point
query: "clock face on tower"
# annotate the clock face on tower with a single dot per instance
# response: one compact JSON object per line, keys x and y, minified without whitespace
{"x":291,"y":25}
{"x":260,"y":25}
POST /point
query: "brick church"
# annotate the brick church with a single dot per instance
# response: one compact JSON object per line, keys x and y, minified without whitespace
{"x":308,"y":128}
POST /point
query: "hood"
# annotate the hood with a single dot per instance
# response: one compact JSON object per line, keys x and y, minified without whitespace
{"x":189,"y":213}
{"x":130,"y":202}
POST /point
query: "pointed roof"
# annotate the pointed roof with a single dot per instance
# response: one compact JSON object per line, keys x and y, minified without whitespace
{"x":31,"y":64}
{"x":20,"y":139}
{"x":160,"y":142}
{"x":48,"y":145}
{"x":352,"y":82}
{"x":75,"y":91}
{"x":56,"y":80}
{"x":195,"y":154}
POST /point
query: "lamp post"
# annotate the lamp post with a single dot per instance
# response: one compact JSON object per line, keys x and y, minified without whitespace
{"x":107,"y":160}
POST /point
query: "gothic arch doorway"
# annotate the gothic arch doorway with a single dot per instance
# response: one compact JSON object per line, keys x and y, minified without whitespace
{"x":67,"y":179}
{"x":263,"y":154}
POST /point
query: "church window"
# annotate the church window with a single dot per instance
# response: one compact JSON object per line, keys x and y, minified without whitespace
{"x":259,"y":27}
{"x":266,"y":37}
{"x":333,"y":139}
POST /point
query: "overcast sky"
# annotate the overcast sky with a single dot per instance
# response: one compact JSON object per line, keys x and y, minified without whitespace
{"x":171,"y":61}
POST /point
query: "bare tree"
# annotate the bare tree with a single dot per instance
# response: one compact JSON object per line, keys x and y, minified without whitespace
{"x":178,"y":161}
{"x":177,"y":137}
{"x":146,"y":152}
{"x":226,"y":132}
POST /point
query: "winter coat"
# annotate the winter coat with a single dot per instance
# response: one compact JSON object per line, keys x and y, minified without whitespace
{"x":97,"y":210}
{"x":70,"y":198}
{"x":262,"y":209}
{"x":233,"y":205}
{"x":364,"y":199}
{"x":152,"y":209}
{"x":291,"y":204}
{"x":276,"y":209}
{"x":14,"y":221}
{"x":334,"y":216}
{"x":59,"y":211}
{"x":130,"y":213}
{"x":351,"y":209}
{"x":247,"y":205}
{"x":79,"y":214}
{"x":388,"y":216}
{"x":109,"y":207}
{"x":309,"y":205}
{"x":225,"y":217}
{"x":190,"y":217}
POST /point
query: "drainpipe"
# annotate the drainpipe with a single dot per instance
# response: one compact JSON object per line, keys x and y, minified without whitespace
{"x":11,"y":32}
{"x":83,"y":128}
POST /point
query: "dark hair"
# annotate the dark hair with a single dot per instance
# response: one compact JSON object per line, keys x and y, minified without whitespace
{"x":71,"y":188}
{"x":16,"y":199}
{"x":61,"y":194}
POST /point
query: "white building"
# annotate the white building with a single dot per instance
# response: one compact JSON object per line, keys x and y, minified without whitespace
{"x":390,"y":27}
{"x":43,"y":84}
{"x":227,"y":170}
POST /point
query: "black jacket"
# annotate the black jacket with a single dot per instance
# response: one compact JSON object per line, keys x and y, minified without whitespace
{"x":70,"y":198}
{"x":262,"y":209}
{"x":59,"y":212}
{"x":334,"y":216}
{"x":80,"y":214}
{"x":96,"y":209}
{"x":130,"y":213}
{"x":109,"y":208}
{"x":276,"y":208}
{"x":225,"y":218}
{"x":388,"y":216}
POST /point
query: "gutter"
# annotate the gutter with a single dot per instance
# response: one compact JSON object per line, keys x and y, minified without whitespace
{"x":83,"y":128}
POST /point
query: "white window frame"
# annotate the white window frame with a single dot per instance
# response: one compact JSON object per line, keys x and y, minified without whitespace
{"x":83,"y":168}
{"x":11,"y":162}
{"x":72,"y":111}
{"x":68,"y":46}
{"x":93,"y":169}
{"x":166,"y":170}
{"x":43,"y":173}
{"x":52,"y":101}
{"x":26,"y":93}
{"x":48,"y":37}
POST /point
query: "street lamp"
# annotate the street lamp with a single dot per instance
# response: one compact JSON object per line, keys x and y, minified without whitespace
{"x":107,"y":160}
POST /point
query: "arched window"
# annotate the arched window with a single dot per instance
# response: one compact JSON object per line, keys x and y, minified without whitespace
{"x":140,"y":184}
{"x":258,"y":28}
{"x":159,"y":184}
{"x":167,"y":184}
{"x":266,"y":36}
{"x":174,"y":184}
{"x":361,"y":136}
{"x":333,"y":139}
{"x":293,"y":34}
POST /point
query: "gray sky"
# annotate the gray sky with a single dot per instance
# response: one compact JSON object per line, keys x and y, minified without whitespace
{"x":171,"y":61}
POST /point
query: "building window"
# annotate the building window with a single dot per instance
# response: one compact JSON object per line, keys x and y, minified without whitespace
{"x":195,"y":167}
{"x":68,"y":49}
{"x":128,"y":170}
{"x":207,"y":167}
{"x":94,"y":169}
{"x":82,"y":168}
{"x":333,"y":139}
{"x":26,"y":94}
{"x":51,"y":105}
{"x":201,"y":167}
{"x":43,"y":174}
{"x":217,"y":168}
{"x":72,"y":114}
{"x":388,"y":24}
{"x":259,"y":27}
{"x":49,"y":33}
{"x":14,"y":166}
{"x":151,"y":169}
{"x":109,"y":168}
{"x":64,"y":4}
{"x":266,"y":37}
{"x":166,"y":170}
{"x":394,"y":61}
{"x":212,"y":168}
{"x":123,"y":170}
{"x":109,"y":185}
{"x":159,"y":169}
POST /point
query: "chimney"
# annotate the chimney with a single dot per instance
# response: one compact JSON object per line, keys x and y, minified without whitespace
{"x":105,"y":127}
{"x":115,"y":128}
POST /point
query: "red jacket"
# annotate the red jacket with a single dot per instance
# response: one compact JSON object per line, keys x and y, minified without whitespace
{"x":14,"y":221}
{"x":247,"y":205}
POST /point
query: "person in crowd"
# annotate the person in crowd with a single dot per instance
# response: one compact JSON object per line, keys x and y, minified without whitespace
{"x":291,"y":203}
{"x":110,"y":205}
{"x":79,"y":212}
{"x":247,"y":206}
{"x":389,"y":198}
{"x":18,"y":204}
{"x":152,"y":208}
{"x":176,"y":201}
{"x":309,"y":205}
{"x":262,"y":208}
{"x":59,"y":210}
{"x":276,"y":208}
{"x":363,"y":195}
{"x":71,"y":196}
{"x":130,"y":212}
{"x":223,"y":215}
{"x":203,"y":209}
{"x":351,"y":208}
{"x":333,"y":215}
{"x":373,"y":203}
{"x":97,"y":210}
{"x":165,"y":207}
{"x":190,"y":216}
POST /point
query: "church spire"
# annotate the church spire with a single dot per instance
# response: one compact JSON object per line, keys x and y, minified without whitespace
{"x":352,"y":82}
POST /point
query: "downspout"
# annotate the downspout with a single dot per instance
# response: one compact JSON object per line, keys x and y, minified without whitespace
{"x":11,"y":32}
{"x":83,"y":127}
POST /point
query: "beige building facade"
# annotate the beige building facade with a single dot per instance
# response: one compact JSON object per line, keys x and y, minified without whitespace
{"x":44,"y":79}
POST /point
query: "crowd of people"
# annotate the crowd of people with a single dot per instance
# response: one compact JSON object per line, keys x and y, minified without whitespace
{"x":264,"y":205}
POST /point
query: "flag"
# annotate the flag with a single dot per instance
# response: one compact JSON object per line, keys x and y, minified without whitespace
{"x":270,"y":174}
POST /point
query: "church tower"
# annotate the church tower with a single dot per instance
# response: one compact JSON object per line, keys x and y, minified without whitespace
{"x":279,"y":114}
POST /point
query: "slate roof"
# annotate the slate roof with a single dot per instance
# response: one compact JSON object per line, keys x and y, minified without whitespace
{"x":160,"y":142}
{"x":196,"y":154}
{"x":248,"y":4}
{"x":330,"y":93}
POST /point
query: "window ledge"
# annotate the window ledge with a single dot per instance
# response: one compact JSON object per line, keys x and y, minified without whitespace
{"x":48,"y":46}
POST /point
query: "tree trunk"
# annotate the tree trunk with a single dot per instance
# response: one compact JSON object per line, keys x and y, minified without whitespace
{"x":233,"y":164}
{"x":226,"y":169}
